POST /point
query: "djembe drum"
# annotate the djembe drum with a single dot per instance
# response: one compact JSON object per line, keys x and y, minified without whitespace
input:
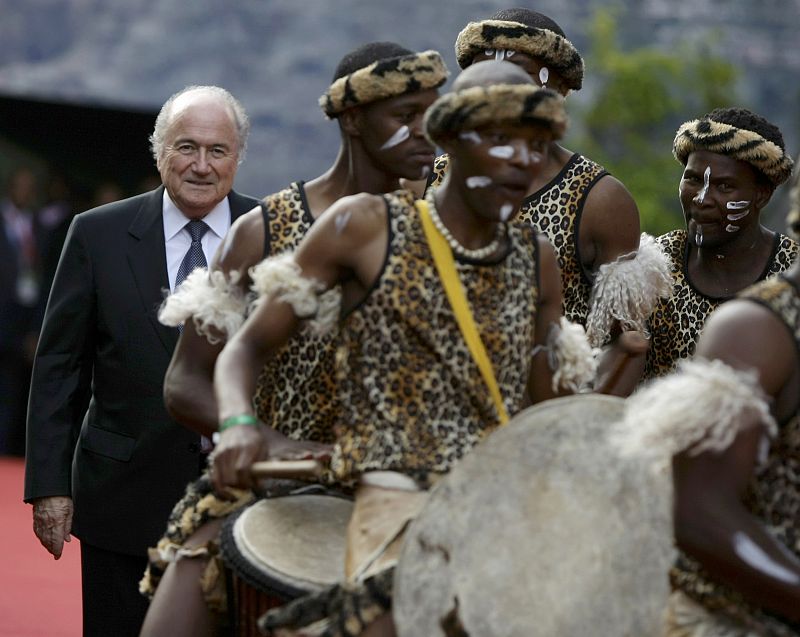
{"x":281,"y":548}
{"x":545,"y":528}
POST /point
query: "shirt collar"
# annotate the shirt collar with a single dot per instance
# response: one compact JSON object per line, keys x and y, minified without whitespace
{"x":218,"y":220}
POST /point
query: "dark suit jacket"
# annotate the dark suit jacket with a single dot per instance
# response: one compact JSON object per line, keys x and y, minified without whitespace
{"x":123,"y":460}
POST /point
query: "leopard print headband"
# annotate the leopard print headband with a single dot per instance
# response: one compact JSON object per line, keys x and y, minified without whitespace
{"x":383,"y":79}
{"x":478,"y":106}
{"x":739,"y":143}
{"x":554,"y":50}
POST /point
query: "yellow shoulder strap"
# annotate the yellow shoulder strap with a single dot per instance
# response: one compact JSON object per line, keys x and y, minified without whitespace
{"x":446,"y":267}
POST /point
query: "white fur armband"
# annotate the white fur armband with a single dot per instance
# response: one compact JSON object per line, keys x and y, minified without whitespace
{"x":569,"y":356}
{"x":701,"y":407}
{"x":211,"y":299}
{"x":627,"y":290}
{"x":280,"y":276}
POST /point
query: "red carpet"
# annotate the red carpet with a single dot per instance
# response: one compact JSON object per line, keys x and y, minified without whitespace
{"x":39,"y":597}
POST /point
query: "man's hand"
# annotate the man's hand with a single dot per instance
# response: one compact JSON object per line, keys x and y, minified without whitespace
{"x":237,"y":449}
{"x":622,"y":364}
{"x":52,"y":522}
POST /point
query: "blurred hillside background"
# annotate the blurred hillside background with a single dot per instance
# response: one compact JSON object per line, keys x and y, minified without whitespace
{"x":81,"y":80}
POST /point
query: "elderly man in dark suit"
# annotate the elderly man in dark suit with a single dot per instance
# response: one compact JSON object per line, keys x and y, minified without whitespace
{"x":105,"y":462}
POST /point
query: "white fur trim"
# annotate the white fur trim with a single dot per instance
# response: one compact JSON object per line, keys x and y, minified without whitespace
{"x":701,"y":407}
{"x":627,"y":290}
{"x":280,"y":276}
{"x":571,"y":357}
{"x":211,"y":299}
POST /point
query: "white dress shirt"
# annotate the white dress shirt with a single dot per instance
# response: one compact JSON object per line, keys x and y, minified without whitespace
{"x":177,"y":238}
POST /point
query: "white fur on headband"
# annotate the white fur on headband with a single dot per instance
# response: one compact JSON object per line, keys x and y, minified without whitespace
{"x":211,"y":299}
{"x":570,"y":356}
{"x":701,"y":407}
{"x":280,"y":276}
{"x":627,"y":290}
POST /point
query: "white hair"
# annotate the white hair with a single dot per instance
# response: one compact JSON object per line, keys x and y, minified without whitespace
{"x":164,"y":119}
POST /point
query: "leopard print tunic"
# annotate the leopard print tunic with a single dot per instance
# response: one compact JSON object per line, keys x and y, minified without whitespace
{"x":413,"y":400}
{"x":555,"y":210}
{"x":296,"y":390}
{"x":773,"y":495}
{"x":676,"y":322}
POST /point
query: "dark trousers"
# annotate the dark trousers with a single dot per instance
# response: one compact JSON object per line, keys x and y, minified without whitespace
{"x":112,"y":604}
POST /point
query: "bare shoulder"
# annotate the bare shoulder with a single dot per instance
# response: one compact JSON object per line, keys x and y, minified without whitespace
{"x":243,"y":246}
{"x":747,"y":335}
{"x":352,"y":218}
{"x":610,"y":221}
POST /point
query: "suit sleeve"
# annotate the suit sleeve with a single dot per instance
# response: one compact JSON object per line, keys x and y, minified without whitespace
{"x":62,"y":373}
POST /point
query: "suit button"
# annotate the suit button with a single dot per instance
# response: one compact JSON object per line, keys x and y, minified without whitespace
{"x":194,"y":447}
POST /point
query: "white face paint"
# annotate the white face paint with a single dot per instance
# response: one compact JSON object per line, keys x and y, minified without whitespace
{"x":499,"y":54}
{"x":506,"y":210}
{"x":401,"y":135}
{"x":731,"y":228}
{"x":544,"y":75}
{"x":758,"y":558}
{"x":501,"y":152}
{"x":424,"y":172}
{"x":509,"y":54}
{"x":737,"y":205}
{"x":701,"y":196}
{"x":744,"y":206}
{"x":698,"y":236}
{"x":470,"y":136}
{"x":489,"y":53}
{"x":341,"y":221}
{"x":479,"y":181}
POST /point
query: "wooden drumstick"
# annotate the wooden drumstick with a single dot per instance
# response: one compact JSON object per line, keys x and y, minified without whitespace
{"x":286,"y":469}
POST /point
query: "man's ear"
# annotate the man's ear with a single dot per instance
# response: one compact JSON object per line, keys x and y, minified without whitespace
{"x":350,"y":121}
{"x":763,"y":194}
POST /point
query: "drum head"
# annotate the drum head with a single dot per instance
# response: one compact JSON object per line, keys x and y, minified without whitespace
{"x":543,"y":529}
{"x":290,"y":545}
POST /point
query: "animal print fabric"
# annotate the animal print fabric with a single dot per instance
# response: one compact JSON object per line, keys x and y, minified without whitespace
{"x":555,"y":210}
{"x":296,"y":390}
{"x":412,"y":398}
{"x":677,"y":322}
{"x":773,"y":495}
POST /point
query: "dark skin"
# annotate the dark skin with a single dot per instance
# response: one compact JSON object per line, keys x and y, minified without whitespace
{"x":361,"y":166}
{"x":610,"y":220}
{"x":724,"y":262}
{"x":710,"y":517}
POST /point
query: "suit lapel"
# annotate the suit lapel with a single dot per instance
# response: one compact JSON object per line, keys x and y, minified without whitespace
{"x":240,"y":204}
{"x":148,"y":261}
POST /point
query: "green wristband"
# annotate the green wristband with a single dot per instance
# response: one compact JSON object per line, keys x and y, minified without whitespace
{"x":233,"y":421}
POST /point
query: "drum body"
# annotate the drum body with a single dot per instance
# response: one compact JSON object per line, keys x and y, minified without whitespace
{"x":278,"y":549}
{"x":544,"y":529}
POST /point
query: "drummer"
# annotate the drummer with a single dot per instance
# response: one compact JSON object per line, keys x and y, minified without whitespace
{"x":415,"y":396}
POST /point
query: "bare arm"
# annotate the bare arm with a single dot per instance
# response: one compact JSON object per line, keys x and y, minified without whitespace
{"x":711,"y":522}
{"x":548,"y":313}
{"x":188,"y":387}
{"x":609,"y":224}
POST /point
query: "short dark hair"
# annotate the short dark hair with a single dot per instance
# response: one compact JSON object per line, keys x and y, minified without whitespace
{"x":748,"y":120}
{"x":366,"y":55}
{"x":528,"y":18}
